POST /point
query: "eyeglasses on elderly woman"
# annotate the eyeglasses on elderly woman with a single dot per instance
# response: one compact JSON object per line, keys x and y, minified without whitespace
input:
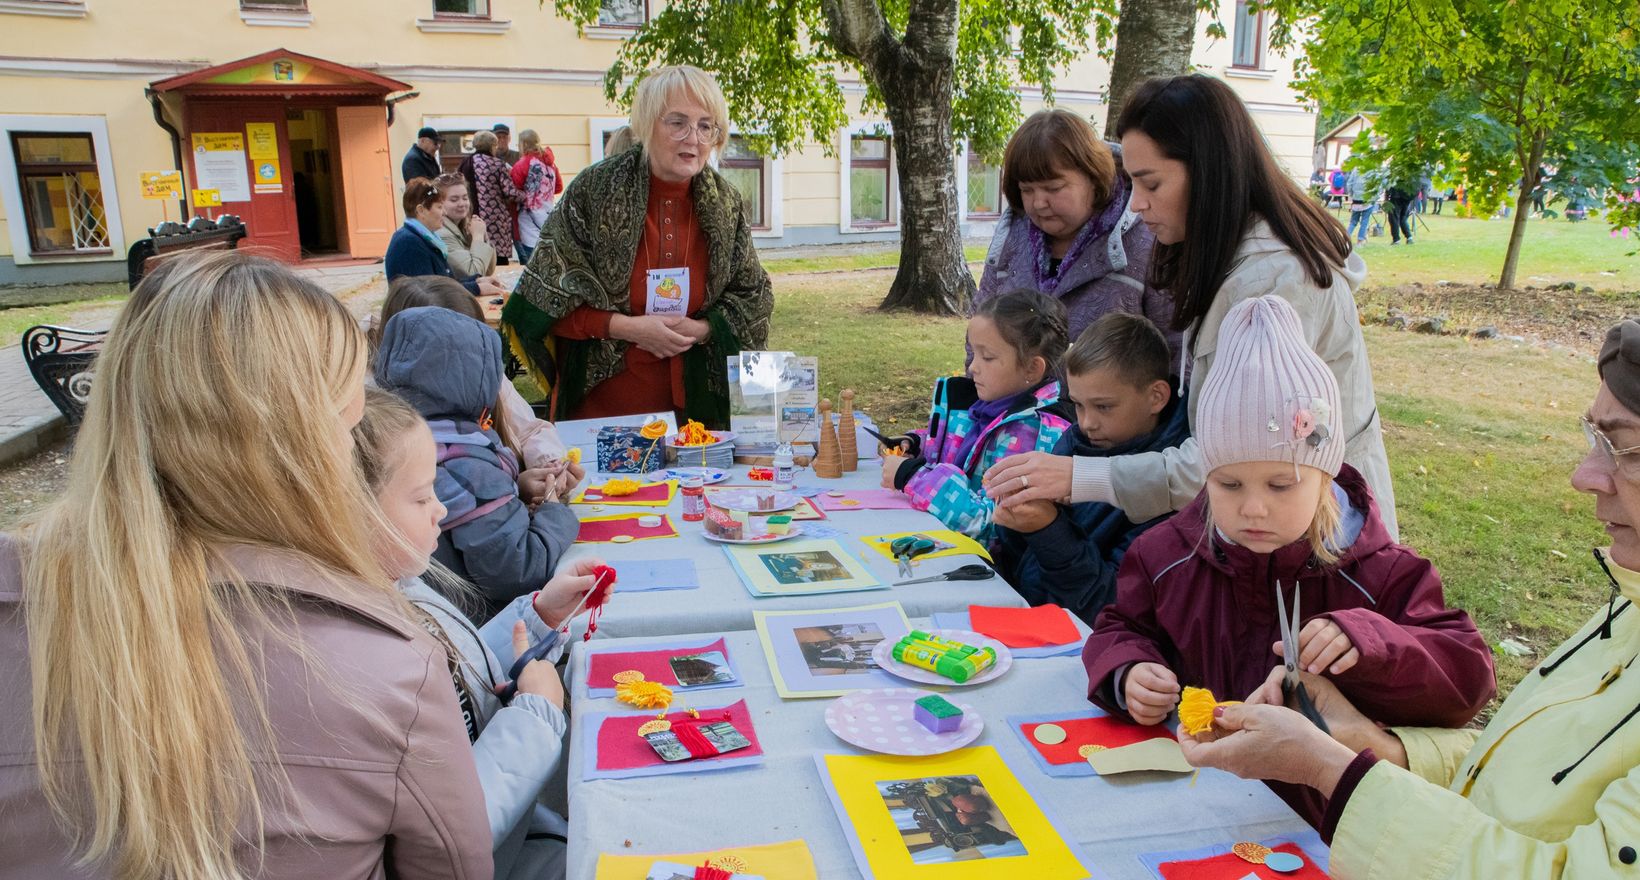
{"x":678,"y":127}
{"x":1626,"y":460}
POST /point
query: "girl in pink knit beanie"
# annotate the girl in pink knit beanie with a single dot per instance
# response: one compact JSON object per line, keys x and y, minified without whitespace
{"x":1281,"y":513}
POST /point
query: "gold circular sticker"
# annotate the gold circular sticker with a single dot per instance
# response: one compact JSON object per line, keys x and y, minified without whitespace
{"x":732,"y":864}
{"x":1049,"y":734}
{"x":656,"y":726}
{"x":621,"y":539}
{"x":1254,"y":853}
{"x":1089,"y":749}
{"x":627,"y":676}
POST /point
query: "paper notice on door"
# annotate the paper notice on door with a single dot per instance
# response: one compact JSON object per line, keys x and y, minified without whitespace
{"x":219,"y":164}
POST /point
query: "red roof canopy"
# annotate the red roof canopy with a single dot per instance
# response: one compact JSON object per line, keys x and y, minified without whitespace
{"x":281,"y":72}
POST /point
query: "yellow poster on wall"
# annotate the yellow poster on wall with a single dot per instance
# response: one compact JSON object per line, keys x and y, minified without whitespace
{"x":207,"y":198}
{"x":262,"y":138}
{"x":161,"y":184}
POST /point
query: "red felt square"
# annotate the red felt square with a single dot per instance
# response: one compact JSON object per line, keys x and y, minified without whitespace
{"x":621,"y":748}
{"x":602,"y":531}
{"x":655,"y":665}
{"x":649,"y":492}
{"x":1024,"y":627}
{"x":1102,"y":731}
{"x":1230,"y":866}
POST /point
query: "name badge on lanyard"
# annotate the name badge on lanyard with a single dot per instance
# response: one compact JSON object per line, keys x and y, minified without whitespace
{"x":668,"y":291}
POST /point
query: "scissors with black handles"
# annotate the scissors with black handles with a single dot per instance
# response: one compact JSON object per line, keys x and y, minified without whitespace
{"x":1292,"y":687}
{"x":974,"y":572}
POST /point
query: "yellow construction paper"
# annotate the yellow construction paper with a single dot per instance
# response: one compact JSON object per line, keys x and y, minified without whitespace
{"x":855,"y":779}
{"x":789,"y":860}
{"x":1151,"y":754}
{"x":623,"y":500}
{"x":961,"y":545}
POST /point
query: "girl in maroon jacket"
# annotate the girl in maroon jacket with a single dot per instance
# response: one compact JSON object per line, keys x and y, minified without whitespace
{"x":1196,"y":596}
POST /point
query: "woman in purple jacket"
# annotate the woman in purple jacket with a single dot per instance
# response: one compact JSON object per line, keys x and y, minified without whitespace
{"x":1066,"y":231}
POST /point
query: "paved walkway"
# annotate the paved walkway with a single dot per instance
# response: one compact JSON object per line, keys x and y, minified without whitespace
{"x":30,"y":422}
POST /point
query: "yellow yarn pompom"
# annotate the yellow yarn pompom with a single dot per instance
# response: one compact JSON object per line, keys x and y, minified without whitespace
{"x":621,"y":486}
{"x":1196,"y":707}
{"x":573,"y":455}
{"x":644,"y":694}
{"x":654,"y":430}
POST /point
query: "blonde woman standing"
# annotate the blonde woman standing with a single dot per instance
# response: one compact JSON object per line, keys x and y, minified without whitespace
{"x":207,"y":674}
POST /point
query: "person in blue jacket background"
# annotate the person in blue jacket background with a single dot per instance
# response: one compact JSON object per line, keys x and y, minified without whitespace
{"x":416,"y":249}
{"x":1125,"y":401}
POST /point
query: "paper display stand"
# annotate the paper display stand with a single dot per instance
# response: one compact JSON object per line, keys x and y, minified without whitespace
{"x":773,"y":397}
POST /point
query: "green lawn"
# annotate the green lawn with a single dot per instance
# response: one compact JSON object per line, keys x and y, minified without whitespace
{"x":1482,"y":439}
{"x":1471,"y":252}
{"x":14,"y":321}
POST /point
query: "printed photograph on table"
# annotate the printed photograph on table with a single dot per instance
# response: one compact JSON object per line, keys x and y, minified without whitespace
{"x":701,"y":670}
{"x":827,"y":652}
{"x":839,"y":648}
{"x":800,"y":567}
{"x":962,"y":815}
{"x":948,"y":819}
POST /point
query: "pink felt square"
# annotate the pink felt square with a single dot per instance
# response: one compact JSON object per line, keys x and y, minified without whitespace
{"x":621,"y":748}
{"x":655,"y":665}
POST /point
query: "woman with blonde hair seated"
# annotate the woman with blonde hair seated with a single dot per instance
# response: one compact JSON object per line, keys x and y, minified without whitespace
{"x":208,"y":673}
{"x":645,"y":279}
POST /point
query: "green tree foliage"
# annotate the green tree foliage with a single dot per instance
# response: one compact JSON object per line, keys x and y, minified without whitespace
{"x":1493,"y":89}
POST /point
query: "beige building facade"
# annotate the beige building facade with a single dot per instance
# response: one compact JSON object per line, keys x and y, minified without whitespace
{"x":296,"y":113}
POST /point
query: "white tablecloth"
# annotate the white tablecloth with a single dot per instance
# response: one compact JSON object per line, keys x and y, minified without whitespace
{"x":1114,"y":820}
{"x":722,"y":604}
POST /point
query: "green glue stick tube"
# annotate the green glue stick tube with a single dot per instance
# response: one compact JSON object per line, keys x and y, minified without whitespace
{"x":934,"y":660}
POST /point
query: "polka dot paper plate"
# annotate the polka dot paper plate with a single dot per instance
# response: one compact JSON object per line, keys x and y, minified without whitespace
{"x":883,"y":721}
{"x":883,"y":653}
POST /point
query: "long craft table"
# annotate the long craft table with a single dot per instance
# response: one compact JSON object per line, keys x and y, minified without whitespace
{"x":1114,"y":820}
{"x":722,"y":602}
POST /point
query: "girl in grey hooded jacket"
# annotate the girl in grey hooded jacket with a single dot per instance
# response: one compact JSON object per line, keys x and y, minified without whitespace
{"x":448,"y":367}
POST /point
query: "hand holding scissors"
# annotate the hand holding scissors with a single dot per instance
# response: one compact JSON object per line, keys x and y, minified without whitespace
{"x":1291,"y":685}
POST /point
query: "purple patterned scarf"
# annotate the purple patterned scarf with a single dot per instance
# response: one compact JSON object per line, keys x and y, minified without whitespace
{"x":1097,"y":227}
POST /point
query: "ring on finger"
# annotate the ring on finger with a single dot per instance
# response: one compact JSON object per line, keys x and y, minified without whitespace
{"x":1024,"y":482}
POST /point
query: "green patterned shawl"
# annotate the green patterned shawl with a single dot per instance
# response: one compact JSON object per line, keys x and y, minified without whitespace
{"x":585,"y":258}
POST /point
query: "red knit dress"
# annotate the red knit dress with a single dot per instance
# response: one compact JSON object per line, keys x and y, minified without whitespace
{"x":671,"y":238}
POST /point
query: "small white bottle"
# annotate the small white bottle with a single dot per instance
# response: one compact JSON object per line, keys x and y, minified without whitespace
{"x":785,"y":469}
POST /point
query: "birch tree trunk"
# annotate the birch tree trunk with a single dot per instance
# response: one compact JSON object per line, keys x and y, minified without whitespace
{"x":1153,"y":38}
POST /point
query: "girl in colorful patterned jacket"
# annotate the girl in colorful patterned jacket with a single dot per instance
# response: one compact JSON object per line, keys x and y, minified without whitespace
{"x":1282,"y":523}
{"x":1002,"y":407}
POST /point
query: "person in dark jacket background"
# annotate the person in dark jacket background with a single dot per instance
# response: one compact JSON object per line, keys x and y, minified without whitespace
{"x":1116,"y":376}
{"x":421,"y":160}
{"x":416,"y":249}
{"x":448,"y":367}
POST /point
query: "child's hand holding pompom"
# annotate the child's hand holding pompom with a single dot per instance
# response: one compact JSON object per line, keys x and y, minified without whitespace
{"x":1151,"y":690}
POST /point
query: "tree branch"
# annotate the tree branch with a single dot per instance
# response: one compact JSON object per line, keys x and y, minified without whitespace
{"x":859,"y":31}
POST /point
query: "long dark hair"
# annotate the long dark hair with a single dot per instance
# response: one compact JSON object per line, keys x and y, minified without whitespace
{"x":1234,"y":179}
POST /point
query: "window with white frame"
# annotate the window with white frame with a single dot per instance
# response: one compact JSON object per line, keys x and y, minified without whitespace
{"x":746,"y":169}
{"x":1248,"y":36}
{"x":623,"y":13}
{"x":871,"y":180}
{"x":476,"y":8}
{"x":61,"y":191}
{"x":291,"y":5}
{"x":984,"y":188}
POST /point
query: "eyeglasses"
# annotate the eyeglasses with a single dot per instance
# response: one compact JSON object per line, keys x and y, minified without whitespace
{"x":1623,"y":459}
{"x":678,"y":129}
{"x":450,"y":179}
